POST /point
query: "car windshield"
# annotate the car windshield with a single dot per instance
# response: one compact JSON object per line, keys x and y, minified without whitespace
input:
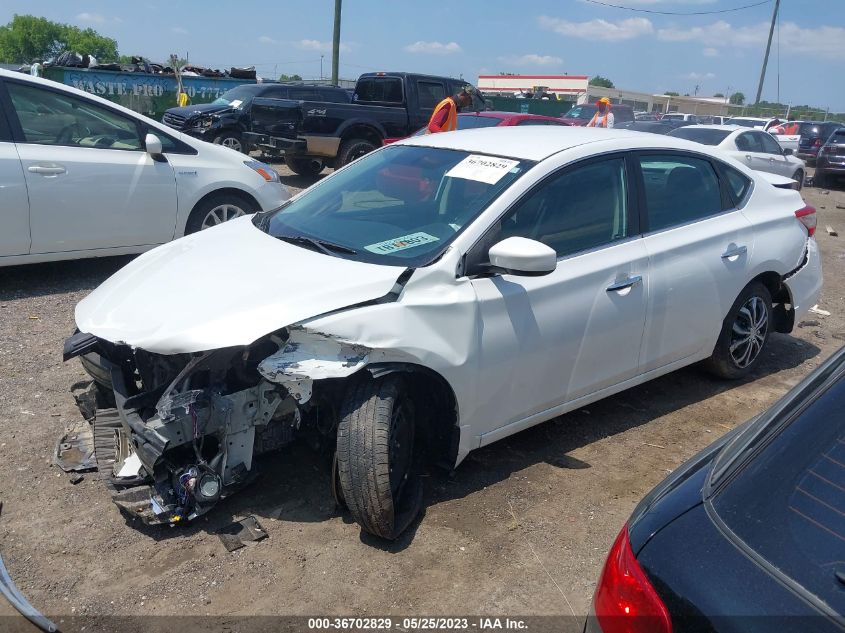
{"x":701,"y":135}
{"x":401,"y":205}
{"x":580,"y":112}
{"x":788,"y":502}
{"x":746,"y":122}
{"x":673,"y":117}
{"x":235,"y":97}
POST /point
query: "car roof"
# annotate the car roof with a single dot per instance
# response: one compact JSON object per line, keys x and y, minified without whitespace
{"x":539,"y":142}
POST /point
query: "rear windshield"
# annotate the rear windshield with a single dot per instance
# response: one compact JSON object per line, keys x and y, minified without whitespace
{"x":746,"y":122}
{"x":379,"y":90}
{"x":470,"y":121}
{"x":788,"y":503}
{"x":808,"y":129}
{"x":581,"y":112}
{"x":837,"y":137}
{"x":699,"y":135}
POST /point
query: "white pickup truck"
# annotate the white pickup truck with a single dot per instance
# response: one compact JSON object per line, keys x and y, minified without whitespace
{"x":772,"y":126}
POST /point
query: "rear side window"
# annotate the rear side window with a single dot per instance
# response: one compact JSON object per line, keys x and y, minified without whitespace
{"x":788,"y":503}
{"x":379,"y":89}
{"x":738,"y":183}
{"x":678,"y":189}
{"x":431,"y":93}
{"x":770,"y":145}
{"x":748,"y":142}
{"x":837,"y":137}
{"x":705,"y":136}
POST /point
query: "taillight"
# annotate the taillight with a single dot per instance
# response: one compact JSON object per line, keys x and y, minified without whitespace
{"x":625,"y":601}
{"x":807,"y":217}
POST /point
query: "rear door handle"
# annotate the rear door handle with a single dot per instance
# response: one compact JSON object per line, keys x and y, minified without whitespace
{"x":748,"y":157}
{"x":736,"y":251}
{"x":46,"y":170}
{"x":625,"y":283}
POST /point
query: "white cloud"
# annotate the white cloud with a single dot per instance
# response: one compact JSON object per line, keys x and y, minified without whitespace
{"x":317,"y":45}
{"x":93,"y":18}
{"x":266,"y":39}
{"x":823,"y":40}
{"x":531,"y":59}
{"x":179,"y":30}
{"x":710,"y":52}
{"x":599,"y":30}
{"x":699,"y":76}
{"x":434,"y":48}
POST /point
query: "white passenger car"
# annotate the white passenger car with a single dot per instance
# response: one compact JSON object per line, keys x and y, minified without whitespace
{"x":84,"y":177}
{"x":757,"y":149}
{"x":433,"y":297}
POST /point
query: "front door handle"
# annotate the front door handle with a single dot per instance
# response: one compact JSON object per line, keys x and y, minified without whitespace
{"x":748,"y":157}
{"x":46,"y":170}
{"x":630,"y":282}
{"x":736,"y":251}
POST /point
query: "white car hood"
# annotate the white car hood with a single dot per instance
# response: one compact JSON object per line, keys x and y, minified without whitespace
{"x":222,"y":287}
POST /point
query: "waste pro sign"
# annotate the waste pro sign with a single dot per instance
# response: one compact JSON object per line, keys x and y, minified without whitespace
{"x":145,"y":93}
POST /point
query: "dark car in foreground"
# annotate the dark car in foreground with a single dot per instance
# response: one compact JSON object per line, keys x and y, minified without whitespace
{"x":227,"y":118}
{"x":813,"y":136}
{"x":830,"y":163}
{"x":749,"y":535}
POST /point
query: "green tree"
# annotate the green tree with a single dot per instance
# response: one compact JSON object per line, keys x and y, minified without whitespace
{"x":719,"y":95}
{"x":601,"y":82}
{"x":290,"y":78}
{"x":737,"y":98}
{"x":671,"y":94}
{"x":28,"y":37}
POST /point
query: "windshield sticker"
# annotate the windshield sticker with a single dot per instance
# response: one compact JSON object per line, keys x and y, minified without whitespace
{"x":236,"y":103}
{"x":401,"y":243}
{"x":482,"y":168}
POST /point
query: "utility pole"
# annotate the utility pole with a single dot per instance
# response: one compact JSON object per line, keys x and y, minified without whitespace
{"x":336,"y":42}
{"x":768,"y":48}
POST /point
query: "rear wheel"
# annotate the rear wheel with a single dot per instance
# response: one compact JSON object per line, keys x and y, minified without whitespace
{"x":217,"y":209}
{"x":799,"y":176}
{"x":820,"y":181}
{"x":745,"y":332}
{"x":353,"y":149}
{"x":305,"y":166}
{"x":376,"y":456}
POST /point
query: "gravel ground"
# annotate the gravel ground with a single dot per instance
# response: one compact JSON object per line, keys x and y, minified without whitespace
{"x":521,"y":528}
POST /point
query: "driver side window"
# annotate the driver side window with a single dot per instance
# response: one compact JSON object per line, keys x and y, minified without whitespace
{"x":580,"y":209}
{"x":53,"y":118}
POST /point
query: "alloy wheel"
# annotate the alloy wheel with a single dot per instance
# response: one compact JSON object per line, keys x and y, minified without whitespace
{"x":748,"y":333}
{"x":233,"y":143}
{"x":220,"y":214}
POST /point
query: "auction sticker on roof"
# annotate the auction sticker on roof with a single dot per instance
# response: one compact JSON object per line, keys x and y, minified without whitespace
{"x":401,"y":243}
{"x":482,"y":168}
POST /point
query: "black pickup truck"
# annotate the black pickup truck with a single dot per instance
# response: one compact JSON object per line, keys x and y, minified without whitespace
{"x":225,"y":119}
{"x":314,"y":134}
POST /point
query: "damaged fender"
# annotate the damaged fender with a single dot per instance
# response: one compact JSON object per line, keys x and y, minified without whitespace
{"x":308,"y":356}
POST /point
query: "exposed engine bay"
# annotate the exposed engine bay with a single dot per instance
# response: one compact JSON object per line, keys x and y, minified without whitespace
{"x":190,"y":425}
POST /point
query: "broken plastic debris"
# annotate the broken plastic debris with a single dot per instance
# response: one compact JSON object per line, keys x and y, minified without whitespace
{"x":184,"y":400}
{"x":817,"y":310}
{"x":237,"y":534}
{"x":131,"y":467}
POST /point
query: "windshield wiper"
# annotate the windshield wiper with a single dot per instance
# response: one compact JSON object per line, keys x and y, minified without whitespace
{"x":321,"y":245}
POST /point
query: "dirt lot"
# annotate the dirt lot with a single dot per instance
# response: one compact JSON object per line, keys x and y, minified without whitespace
{"x":521,"y":528}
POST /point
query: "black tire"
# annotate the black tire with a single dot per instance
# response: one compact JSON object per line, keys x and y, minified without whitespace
{"x":102,"y":379}
{"x":352,"y":149}
{"x":820,"y":181}
{"x":799,"y":176}
{"x":377,"y":473}
{"x":745,"y":322}
{"x":310,"y":167}
{"x":233,"y":140}
{"x":213,"y":205}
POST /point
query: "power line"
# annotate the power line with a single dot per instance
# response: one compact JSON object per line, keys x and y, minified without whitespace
{"x":616,"y":6}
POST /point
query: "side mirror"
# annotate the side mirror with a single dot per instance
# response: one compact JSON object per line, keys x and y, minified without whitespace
{"x":153,"y":145}
{"x":521,"y":256}
{"x":788,"y":151}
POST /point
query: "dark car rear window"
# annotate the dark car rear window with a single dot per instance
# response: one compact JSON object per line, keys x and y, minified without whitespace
{"x":699,"y":135}
{"x":838,"y":137}
{"x":788,"y":502}
{"x":379,"y":90}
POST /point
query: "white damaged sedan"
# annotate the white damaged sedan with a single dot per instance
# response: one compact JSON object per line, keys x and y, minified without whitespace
{"x":433,"y":297}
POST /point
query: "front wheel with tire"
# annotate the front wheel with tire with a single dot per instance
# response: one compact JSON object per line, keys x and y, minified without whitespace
{"x":305,"y":166}
{"x":232,"y":140}
{"x":217,"y":209}
{"x":745,"y":332}
{"x":353,"y":149}
{"x":820,"y":181}
{"x":376,"y":456}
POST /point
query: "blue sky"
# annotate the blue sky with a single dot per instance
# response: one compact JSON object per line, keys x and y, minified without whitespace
{"x":638,"y":51}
